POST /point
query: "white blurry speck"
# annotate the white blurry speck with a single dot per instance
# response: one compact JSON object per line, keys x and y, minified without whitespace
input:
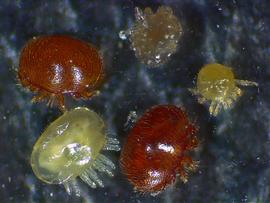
{"x":9,"y":179}
{"x":245,"y":199}
{"x":139,"y":14}
{"x":148,"y":148}
{"x":30,"y":183}
{"x":4,"y":117}
{"x":51,"y":194}
{"x":122,"y":35}
{"x":166,"y":148}
{"x":132,"y":115}
{"x":3,"y":185}
{"x":218,"y":26}
{"x":157,"y":59}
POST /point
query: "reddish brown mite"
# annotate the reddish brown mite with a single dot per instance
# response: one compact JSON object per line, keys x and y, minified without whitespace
{"x":55,"y":65}
{"x":157,"y":149}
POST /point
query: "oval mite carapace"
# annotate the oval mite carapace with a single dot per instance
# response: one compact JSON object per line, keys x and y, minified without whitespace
{"x":157,"y":149}
{"x":70,"y":147}
{"x":56,"y":65}
{"x":217,"y":84}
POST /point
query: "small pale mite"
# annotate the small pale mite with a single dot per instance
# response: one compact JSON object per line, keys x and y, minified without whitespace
{"x":217,"y":84}
{"x":154,"y":37}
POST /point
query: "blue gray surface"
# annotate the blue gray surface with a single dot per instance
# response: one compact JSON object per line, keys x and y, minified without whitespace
{"x":235,"y":148}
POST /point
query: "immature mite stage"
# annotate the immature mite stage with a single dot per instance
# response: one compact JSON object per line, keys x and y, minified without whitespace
{"x":157,"y":149}
{"x":154,"y":36}
{"x":216,"y":83}
{"x":71,"y":147}
{"x":58,"y":65}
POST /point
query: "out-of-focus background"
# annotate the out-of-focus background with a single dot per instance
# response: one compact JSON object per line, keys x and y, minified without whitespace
{"x":235,"y":148}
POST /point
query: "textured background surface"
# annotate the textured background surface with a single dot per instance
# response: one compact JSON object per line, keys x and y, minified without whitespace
{"x":235,"y":147}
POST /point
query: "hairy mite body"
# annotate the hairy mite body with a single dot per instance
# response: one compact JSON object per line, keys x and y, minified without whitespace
{"x":71,"y":147}
{"x":216,"y":83}
{"x":157,"y":149}
{"x":154,"y":36}
{"x":55,"y":65}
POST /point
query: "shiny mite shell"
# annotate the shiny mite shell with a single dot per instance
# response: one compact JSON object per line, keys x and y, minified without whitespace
{"x":70,"y":147}
{"x":216,"y":83}
{"x":157,"y":149}
{"x":154,"y":36}
{"x":56,"y":65}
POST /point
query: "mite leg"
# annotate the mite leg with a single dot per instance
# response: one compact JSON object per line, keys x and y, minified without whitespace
{"x":214,"y":108}
{"x":246,"y":83}
{"x":39,"y":97}
{"x":72,"y":187}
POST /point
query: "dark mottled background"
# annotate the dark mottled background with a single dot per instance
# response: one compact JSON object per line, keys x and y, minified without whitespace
{"x":235,"y":148}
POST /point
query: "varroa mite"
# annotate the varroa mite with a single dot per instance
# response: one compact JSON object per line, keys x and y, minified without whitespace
{"x":157,"y":149}
{"x":57,"y":65}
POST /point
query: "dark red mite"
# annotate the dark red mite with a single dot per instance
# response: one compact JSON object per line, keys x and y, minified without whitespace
{"x":55,"y":65}
{"x":157,"y":149}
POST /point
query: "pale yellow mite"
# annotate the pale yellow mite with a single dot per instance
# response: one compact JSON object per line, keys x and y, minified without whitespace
{"x":71,"y":147}
{"x":154,"y":36}
{"x":216,"y":83}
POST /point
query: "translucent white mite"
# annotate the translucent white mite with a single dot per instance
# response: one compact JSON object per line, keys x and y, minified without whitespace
{"x":70,"y":147}
{"x":216,"y":83}
{"x":154,"y":36}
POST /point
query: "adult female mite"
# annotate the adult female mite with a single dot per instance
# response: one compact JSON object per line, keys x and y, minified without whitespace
{"x":58,"y":65}
{"x":157,"y":149}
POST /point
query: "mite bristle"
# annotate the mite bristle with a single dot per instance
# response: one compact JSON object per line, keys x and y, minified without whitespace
{"x":98,"y":165}
{"x":93,"y":175}
{"x":110,"y":147}
{"x":21,"y":88}
{"x":193,"y":91}
{"x":51,"y":102}
{"x":184,"y":176}
{"x":131,"y":119}
{"x":38,"y":98}
{"x":106,"y":161}
{"x":201,"y":100}
{"x":84,"y":176}
{"x":72,"y":187}
{"x":112,"y":141}
{"x":246,"y":83}
{"x":193,"y":166}
{"x":153,"y":194}
{"x":139,"y":15}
